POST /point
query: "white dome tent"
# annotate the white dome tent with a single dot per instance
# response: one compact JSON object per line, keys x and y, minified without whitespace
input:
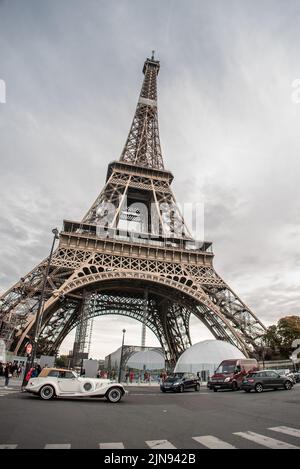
{"x":146,"y":360}
{"x":204,"y":357}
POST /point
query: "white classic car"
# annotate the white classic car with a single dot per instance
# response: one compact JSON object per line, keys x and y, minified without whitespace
{"x":58,"y":382}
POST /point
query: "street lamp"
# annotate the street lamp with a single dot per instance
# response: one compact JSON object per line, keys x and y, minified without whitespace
{"x":121,"y":358}
{"x":39,"y":314}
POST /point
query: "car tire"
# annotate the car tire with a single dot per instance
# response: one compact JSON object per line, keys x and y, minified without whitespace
{"x":234,"y":386}
{"x":163,"y":390}
{"x":247,"y":390}
{"x":197,"y":387}
{"x":114,"y":395}
{"x":215,"y":389}
{"x":258,"y":388}
{"x":47,"y":392}
{"x":288,"y":385}
{"x":181,"y":388}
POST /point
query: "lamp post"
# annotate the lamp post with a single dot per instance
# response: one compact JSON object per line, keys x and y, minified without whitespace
{"x":39,"y":314}
{"x":121,"y":358}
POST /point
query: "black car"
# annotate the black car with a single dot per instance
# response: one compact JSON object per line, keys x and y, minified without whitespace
{"x":265,"y":379}
{"x":179,"y":382}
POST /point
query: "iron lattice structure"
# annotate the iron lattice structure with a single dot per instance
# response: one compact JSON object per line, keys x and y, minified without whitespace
{"x":119,"y":250}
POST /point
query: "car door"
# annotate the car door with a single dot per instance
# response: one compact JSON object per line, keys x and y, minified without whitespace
{"x":263,"y":378}
{"x":272,"y":379}
{"x":277,"y":380}
{"x":190,"y":380}
{"x":67,"y":382}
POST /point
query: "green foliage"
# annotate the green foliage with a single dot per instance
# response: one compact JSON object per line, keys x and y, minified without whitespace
{"x":279,"y":338}
{"x":62,"y":361}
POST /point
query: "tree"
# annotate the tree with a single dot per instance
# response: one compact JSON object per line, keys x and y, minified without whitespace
{"x":279,"y":338}
{"x":62,"y":361}
{"x":288,"y":329}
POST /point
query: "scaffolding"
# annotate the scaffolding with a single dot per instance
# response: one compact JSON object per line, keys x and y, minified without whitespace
{"x":84,"y":332}
{"x":145,"y":313}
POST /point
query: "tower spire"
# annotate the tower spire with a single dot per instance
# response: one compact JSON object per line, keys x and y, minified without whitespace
{"x":142,"y":147}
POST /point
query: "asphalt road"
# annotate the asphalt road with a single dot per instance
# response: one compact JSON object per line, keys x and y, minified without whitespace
{"x":147,"y":415}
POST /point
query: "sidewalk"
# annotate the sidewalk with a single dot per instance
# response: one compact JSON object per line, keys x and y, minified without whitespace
{"x":152,"y":384}
{"x":13,"y":382}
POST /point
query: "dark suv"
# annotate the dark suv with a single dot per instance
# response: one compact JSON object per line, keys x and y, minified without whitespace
{"x":179,"y":382}
{"x":265,"y":379}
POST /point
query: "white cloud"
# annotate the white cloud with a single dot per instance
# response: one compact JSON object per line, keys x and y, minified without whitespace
{"x":228,"y":125}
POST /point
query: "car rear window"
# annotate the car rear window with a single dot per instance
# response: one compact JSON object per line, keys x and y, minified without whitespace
{"x":53,"y":373}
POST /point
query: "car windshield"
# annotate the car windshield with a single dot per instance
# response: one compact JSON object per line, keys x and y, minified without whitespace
{"x":175,"y":377}
{"x":252,"y":375}
{"x":226,"y":368}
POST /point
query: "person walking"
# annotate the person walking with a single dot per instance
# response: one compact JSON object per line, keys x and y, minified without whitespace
{"x":7,"y":374}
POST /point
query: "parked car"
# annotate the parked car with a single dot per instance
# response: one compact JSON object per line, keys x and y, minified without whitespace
{"x":179,"y":382}
{"x":59,"y":382}
{"x":297,"y":377}
{"x":230,"y":374}
{"x":266,"y":379}
{"x":287,"y":372}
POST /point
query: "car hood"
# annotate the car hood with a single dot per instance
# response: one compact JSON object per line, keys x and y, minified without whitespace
{"x":221,"y":375}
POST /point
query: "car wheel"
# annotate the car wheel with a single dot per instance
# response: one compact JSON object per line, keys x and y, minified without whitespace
{"x":287,"y":385}
{"x":259,"y":387}
{"x":181,"y":388}
{"x":163,"y":390}
{"x":114,"y":395}
{"x":47,"y":392}
{"x":197,"y":387}
{"x":215,"y":389}
{"x":234,"y":386}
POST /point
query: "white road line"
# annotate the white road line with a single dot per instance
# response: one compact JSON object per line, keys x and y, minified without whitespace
{"x":287,"y":430}
{"x":8,"y":446}
{"x":4,"y":392}
{"x":169,"y":394}
{"x":57,"y":446}
{"x":265,"y":440}
{"x":160,"y":444}
{"x":111,"y":445}
{"x":213,"y":442}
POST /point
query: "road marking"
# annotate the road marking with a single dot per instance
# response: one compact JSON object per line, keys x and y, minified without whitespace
{"x":160,"y":444}
{"x":213,"y":442}
{"x":111,"y":445}
{"x":8,"y":446}
{"x":57,"y":446}
{"x":286,"y":430}
{"x":265,"y":440}
{"x":170,"y":394}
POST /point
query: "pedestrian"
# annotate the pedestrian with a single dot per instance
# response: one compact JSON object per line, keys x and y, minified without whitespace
{"x":29,"y":375}
{"x":7,"y":374}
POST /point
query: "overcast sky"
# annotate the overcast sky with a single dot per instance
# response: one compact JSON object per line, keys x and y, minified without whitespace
{"x":228,"y":124}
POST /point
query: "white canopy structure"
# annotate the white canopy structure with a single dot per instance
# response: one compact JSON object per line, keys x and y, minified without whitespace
{"x":205,"y":356}
{"x":146,"y":360}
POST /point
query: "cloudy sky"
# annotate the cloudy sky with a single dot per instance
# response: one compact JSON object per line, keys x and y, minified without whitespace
{"x":228,"y":122}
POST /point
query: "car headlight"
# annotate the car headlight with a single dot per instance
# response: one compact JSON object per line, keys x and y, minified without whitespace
{"x":176,"y":382}
{"x":227,"y":379}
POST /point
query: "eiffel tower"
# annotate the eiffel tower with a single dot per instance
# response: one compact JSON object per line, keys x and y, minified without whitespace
{"x":131,"y":255}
